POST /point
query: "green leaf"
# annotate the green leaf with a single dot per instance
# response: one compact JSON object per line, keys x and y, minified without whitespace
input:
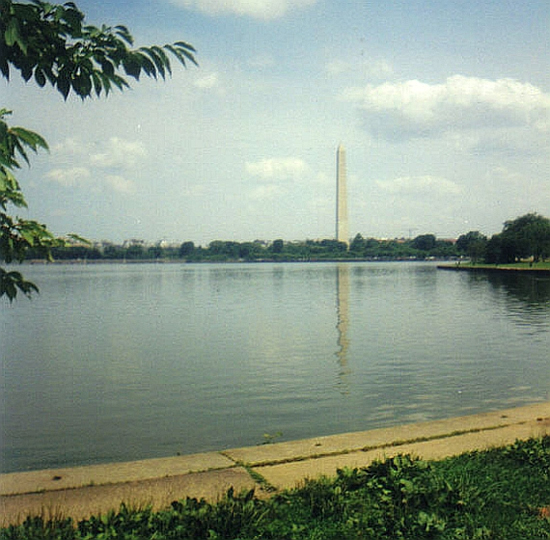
{"x":8,"y":182}
{"x":73,"y":17}
{"x":39,"y":77}
{"x":49,"y":74}
{"x":186,"y":50}
{"x":176,"y":53}
{"x":4,"y":67}
{"x":107,"y":67}
{"x":184,"y":45}
{"x":189,"y":56}
{"x":58,"y":13}
{"x":78,"y":238}
{"x":63,"y":84}
{"x":28,"y":236}
{"x":163,"y":58}
{"x":132,"y":65}
{"x":147,"y":65}
{"x":96,"y":79}
{"x":15,"y":197}
{"x":16,"y":143}
{"x":82,"y":84}
{"x":106,"y":82}
{"x":26,"y":72}
{"x":123,"y":33}
{"x":12,"y":35}
{"x":156,"y":60}
{"x":30,"y":138}
{"x":10,"y":282}
{"x":119,"y":82}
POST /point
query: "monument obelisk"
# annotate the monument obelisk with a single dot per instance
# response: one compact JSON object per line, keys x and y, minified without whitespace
{"x":342,"y":234}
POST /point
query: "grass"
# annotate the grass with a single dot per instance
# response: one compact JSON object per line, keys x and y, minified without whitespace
{"x":502,"y":493}
{"x":516,"y":266}
{"x":538,"y":265}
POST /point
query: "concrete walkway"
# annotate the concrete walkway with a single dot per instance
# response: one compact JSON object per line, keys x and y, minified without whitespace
{"x":82,"y":491}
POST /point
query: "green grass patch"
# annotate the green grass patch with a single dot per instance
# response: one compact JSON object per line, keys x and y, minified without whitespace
{"x":538,"y":265}
{"x":502,"y":494}
{"x":516,"y":266}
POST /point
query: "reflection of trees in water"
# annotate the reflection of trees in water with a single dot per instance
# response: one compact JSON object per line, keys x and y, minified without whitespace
{"x":529,"y":289}
{"x":527,"y":296}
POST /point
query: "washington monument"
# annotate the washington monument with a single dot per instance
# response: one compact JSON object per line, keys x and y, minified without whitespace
{"x":341,"y":197}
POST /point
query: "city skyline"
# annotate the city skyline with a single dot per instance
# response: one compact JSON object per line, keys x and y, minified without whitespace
{"x":444,"y":110}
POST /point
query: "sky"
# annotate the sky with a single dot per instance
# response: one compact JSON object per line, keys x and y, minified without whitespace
{"x":443,"y":108}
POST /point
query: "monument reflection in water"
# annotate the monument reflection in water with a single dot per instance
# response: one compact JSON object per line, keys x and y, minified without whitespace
{"x":342,"y":322}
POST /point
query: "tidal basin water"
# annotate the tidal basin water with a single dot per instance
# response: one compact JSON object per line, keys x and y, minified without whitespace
{"x":133,"y":361}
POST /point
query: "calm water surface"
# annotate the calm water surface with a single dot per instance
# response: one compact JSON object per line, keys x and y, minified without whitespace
{"x":123,"y":362}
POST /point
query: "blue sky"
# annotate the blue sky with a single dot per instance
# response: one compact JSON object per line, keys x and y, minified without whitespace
{"x":443,"y":108}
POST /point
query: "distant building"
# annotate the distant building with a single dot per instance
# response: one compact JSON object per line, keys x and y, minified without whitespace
{"x":133,"y":242}
{"x":342,"y":232}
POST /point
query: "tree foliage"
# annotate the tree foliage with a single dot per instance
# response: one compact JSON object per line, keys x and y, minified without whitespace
{"x":472,"y":244}
{"x":51,"y":44}
{"x":258,"y":250}
{"x":17,"y":235}
{"x":525,"y":237}
{"x":424,"y":242}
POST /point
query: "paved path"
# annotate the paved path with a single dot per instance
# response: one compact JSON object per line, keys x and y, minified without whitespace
{"x":82,"y":491}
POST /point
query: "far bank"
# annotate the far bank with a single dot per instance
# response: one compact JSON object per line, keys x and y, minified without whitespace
{"x":541,"y":268}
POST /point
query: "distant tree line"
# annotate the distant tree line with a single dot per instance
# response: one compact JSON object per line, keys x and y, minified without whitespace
{"x":527,"y":237}
{"x":421,"y":247}
{"x":524,"y":238}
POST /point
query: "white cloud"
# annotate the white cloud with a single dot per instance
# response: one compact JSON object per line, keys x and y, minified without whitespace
{"x":78,"y":162}
{"x":419,"y":185}
{"x":270,"y":172}
{"x":110,"y":154}
{"x":81,"y":176}
{"x":266,"y":192}
{"x":118,"y":153}
{"x":412,"y":109}
{"x":321,"y":205}
{"x":502,"y":175}
{"x":119,"y":183}
{"x":261,"y":61}
{"x":74,"y":176}
{"x":69,"y":147}
{"x":197,"y":190}
{"x":277,"y":168}
{"x":211,"y":80}
{"x":258,"y":9}
{"x":522,"y":190}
